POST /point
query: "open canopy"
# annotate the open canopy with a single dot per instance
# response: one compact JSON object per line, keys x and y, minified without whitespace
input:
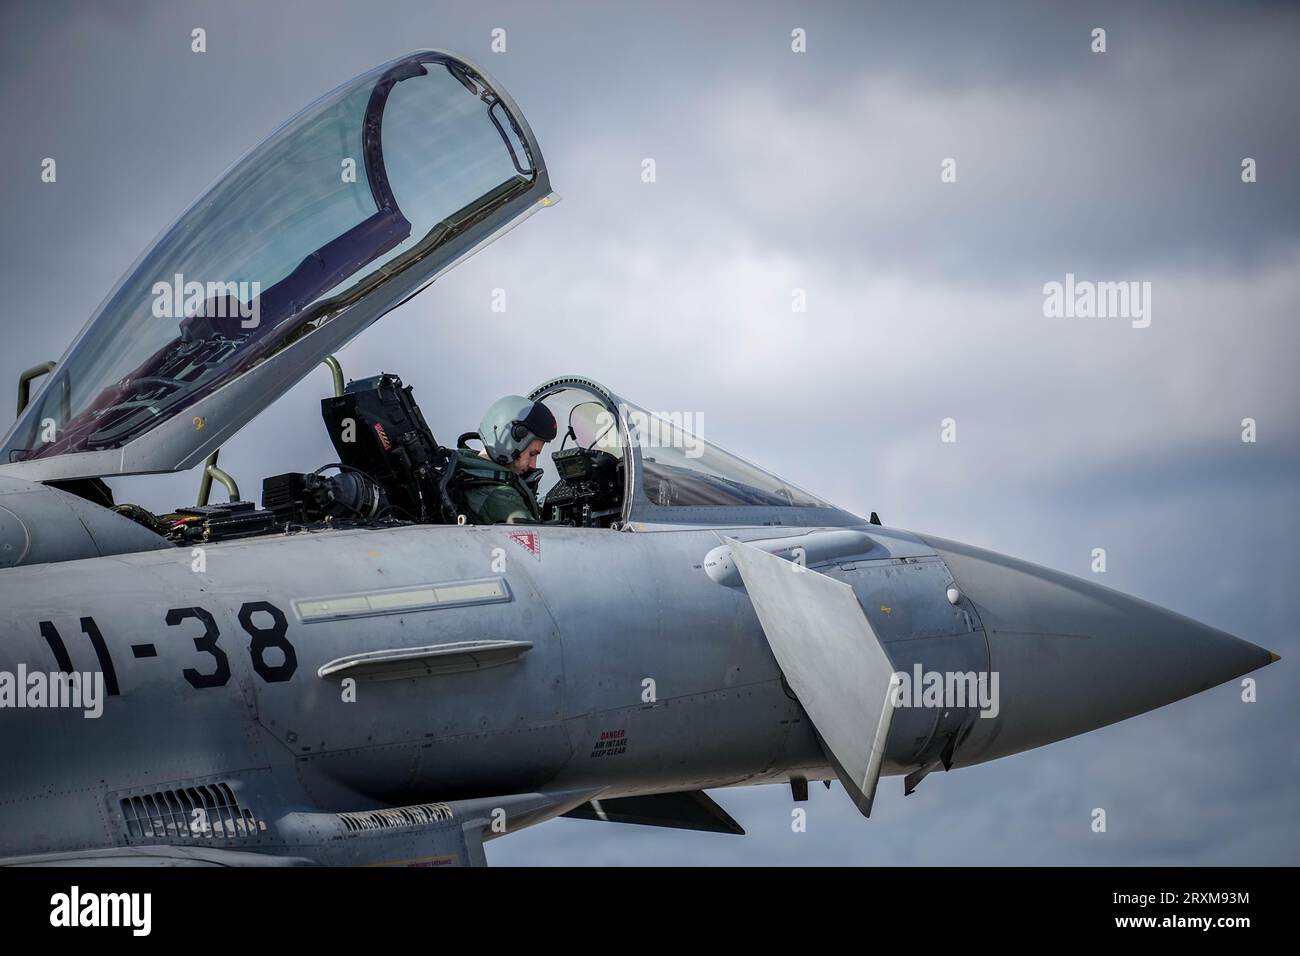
{"x":347,"y":210}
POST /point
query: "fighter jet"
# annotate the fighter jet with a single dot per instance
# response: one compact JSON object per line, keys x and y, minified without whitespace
{"x":355,"y":672}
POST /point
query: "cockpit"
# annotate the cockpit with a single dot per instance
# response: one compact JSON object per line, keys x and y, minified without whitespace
{"x":342,"y":214}
{"x":619,"y":465}
{"x":612,"y":465}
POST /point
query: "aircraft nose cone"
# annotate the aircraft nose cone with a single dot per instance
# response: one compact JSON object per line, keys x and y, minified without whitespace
{"x":1071,"y":656}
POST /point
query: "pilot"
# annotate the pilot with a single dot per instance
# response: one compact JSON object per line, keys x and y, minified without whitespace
{"x":499,"y":484}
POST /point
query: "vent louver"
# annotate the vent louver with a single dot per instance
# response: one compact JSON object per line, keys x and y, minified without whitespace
{"x":208,"y":812}
{"x":413,"y":816}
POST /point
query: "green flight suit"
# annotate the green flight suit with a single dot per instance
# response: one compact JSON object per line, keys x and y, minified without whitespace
{"x":491,"y":494}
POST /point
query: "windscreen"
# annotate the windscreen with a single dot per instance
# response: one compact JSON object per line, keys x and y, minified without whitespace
{"x":679,"y":469}
{"x":585,"y":420}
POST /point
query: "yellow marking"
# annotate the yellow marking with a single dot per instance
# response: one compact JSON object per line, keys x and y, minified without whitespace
{"x":427,"y":597}
{"x":391,"y":600}
{"x":476,"y":591}
{"x":340,"y":605}
{"x":887,"y":610}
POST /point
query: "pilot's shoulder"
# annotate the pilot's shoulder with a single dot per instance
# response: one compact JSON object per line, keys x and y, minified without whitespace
{"x":472,"y":463}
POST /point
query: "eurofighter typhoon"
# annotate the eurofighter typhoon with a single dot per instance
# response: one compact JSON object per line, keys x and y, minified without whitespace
{"x":357,"y":671}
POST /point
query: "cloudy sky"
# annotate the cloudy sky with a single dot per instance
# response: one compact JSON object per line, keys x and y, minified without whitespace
{"x":818,"y":171}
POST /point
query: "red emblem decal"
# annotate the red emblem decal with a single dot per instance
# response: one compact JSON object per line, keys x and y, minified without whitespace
{"x":383,"y":436}
{"x":531,"y":543}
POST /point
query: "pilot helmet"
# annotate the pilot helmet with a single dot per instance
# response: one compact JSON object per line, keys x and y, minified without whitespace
{"x":510,"y":426}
